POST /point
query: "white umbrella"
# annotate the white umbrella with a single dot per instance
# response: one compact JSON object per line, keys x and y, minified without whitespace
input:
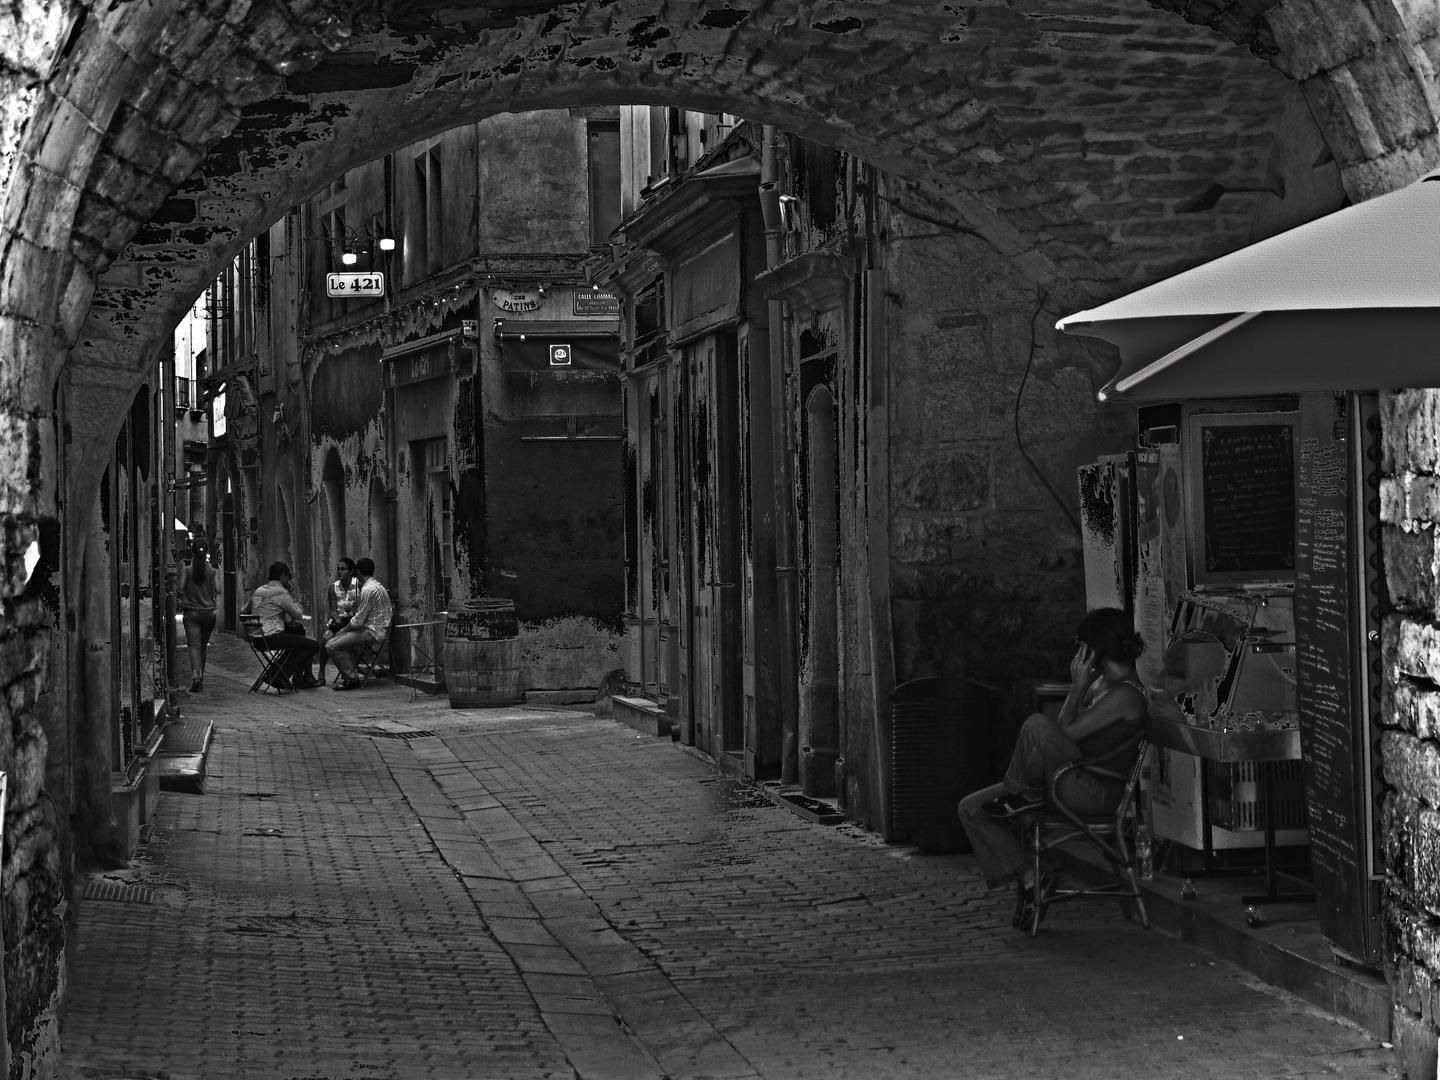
{"x":1350,"y":301}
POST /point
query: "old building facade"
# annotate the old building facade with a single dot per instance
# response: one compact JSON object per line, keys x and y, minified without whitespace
{"x":150,"y":146}
{"x":433,"y":425}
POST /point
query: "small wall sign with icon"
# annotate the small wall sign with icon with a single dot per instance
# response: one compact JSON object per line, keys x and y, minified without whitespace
{"x":560,"y":355}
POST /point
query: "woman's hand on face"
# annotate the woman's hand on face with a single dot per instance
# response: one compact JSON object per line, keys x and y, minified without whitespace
{"x":1083,"y":667}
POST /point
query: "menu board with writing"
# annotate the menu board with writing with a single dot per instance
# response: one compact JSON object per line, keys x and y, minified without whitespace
{"x":1324,"y":680}
{"x":1244,"y":498}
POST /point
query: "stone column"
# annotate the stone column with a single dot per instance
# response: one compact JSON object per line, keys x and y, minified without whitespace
{"x":1410,"y":509}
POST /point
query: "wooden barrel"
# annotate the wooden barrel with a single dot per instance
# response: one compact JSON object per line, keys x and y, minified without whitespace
{"x":482,"y":654}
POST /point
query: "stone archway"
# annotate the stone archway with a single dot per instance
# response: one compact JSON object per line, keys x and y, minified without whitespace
{"x":197,"y":129}
{"x":146,"y":143}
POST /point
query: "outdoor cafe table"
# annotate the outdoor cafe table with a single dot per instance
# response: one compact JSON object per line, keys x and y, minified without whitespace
{"x":1262,"y":747}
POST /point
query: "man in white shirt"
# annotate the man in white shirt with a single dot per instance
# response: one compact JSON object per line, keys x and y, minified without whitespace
{"x":369,"y":623}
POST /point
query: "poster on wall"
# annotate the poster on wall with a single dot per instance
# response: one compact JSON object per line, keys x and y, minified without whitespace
{"x":1150,"y":619}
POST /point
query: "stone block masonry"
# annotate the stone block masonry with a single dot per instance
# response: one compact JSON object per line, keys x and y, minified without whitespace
{"x":1410,"y":750}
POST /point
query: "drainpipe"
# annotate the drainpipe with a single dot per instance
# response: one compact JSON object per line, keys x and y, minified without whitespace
{"x":166,"y":476}
{"x":785,"y":501}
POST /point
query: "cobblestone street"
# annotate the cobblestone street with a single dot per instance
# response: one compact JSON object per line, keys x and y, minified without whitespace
{"x":375,"y":886}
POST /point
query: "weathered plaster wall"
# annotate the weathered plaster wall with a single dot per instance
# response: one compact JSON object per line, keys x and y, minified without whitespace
{"x":345,"y":416}
{"x":533,"y":183}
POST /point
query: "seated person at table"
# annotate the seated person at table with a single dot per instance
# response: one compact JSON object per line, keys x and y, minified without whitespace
{"x":1104,"y":712}
{"x":282,"y":626}
{"x":343,"y":595}
{"x":369,"y":623}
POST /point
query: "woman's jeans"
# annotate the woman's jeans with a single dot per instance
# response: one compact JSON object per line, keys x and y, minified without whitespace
{"x":199,"y":625}
{"x":1041,"y":749}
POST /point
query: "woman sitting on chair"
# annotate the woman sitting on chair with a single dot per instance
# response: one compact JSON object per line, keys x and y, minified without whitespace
{"x":1103,"y":713}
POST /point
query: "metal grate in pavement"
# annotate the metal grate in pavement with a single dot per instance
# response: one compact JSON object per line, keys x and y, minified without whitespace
{"x":285,"y":925}
{"x":385,"y":733}
{"x":100,"y":889}
{"x":186,"y":737}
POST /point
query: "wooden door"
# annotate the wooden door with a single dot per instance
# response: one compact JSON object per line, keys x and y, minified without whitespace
{"x":650,"y":506}
{"x":684,"y":577}
{"x":703,"y":643}
{"x":728,"y":547}
{"x":715,"y":522}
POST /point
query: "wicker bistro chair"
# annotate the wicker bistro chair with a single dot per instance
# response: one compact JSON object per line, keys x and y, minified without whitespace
{"x":1057,"y":824}
{"x":272,"y":661}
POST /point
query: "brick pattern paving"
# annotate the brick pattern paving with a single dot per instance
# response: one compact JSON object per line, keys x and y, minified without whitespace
{"x":545,"y":893}
{"x":303,"y":926}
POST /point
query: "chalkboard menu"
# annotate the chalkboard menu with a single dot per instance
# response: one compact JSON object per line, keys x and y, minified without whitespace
{"x":1243,"y":497}
{"x":1324,"y":676}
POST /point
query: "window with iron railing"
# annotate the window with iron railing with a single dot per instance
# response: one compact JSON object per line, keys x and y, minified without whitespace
{"x":182,"y":392}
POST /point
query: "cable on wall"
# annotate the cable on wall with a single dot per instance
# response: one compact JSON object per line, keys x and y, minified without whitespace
{"x":1019,"y":442}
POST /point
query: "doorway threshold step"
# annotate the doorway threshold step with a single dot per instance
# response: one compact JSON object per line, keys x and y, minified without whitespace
{"x":559,"y":697}
{"x":789,"y":797}
{"x":1287,"y":950}
{"x":183,"y":752}
{"x":641,"y":714}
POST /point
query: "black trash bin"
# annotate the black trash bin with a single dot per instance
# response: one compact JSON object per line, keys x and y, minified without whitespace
{"x":945,"y":738}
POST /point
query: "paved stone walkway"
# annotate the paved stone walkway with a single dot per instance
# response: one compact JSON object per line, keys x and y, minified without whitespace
{"x":375,"y":886}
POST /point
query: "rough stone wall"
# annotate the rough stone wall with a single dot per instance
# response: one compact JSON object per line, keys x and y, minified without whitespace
{"x":33,"y":904}
{"x":1410,"y":749}
{"x":985,"y":560}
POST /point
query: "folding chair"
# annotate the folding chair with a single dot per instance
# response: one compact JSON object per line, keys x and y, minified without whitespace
{"x":373,"y":662}
{"x":1057,"y":824}
{"x":272,"y":661}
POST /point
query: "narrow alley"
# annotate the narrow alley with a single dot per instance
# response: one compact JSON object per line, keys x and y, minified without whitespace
{"x":376,"y":885}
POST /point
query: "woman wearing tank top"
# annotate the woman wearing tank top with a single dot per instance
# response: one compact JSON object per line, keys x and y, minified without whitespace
{"x":1104,"y":712}
{"x":197,"y":605}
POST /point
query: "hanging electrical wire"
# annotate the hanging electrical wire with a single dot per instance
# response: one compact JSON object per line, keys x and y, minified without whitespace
{"x":1019,"y":442}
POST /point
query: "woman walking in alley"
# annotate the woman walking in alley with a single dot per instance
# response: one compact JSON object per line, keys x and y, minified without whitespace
{"x":1104,"y":712}
{"x":197,"y":606}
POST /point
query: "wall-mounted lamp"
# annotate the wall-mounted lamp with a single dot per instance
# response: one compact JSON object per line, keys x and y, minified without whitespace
{"x":1213,"y":194}
{"x":387,"y":243}
{"x":349,"y":258}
